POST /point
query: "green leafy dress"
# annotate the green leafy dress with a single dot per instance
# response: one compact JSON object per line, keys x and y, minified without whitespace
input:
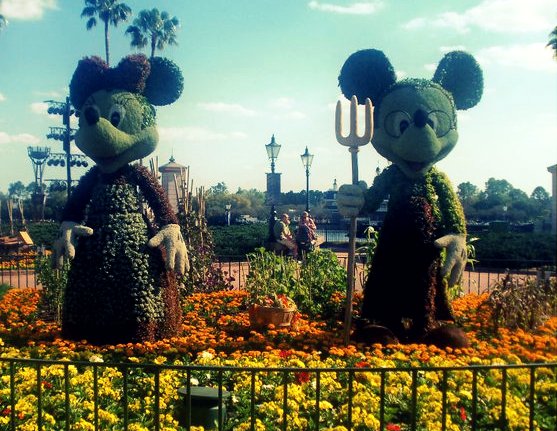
{"x":118,"y":289}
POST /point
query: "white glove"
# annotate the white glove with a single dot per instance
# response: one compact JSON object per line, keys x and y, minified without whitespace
{"x":176,"y":252}
{"x":64,"y":245}
{"x":456,"y":258}
{"x":351,"y":199}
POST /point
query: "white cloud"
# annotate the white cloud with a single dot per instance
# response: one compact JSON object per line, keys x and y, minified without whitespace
{"x":54,"y":94}
{"x":40,"y":108}
{"x":282,"y":103}
{"x":196,"y":135}
{"x":20,"y":138}
{"x":229,"y":108}
{"x":447,"y":49}
{"x":534,"y":56}
{"x":2,"y":97}
{"x":499,"y":16}
{"x":294,"y":115}
{"x":357,"y":8}
{"x":26,"y":10}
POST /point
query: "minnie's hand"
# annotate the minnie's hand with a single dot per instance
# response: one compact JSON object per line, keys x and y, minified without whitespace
{"x":64,"y":245}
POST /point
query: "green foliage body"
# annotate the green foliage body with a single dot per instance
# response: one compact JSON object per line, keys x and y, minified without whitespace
{"x":115,"y":280}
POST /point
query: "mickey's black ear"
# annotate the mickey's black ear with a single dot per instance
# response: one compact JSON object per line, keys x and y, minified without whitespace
{"x":460,"y":74}
{"x":165,"y":83}
{"x":366,"y":73}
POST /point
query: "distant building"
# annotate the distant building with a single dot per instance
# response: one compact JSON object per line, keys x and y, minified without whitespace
{"x":330,"y":200}
{"x":171,"y":175}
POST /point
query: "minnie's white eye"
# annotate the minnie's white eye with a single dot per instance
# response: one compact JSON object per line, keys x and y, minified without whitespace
{"x":117,"y":114}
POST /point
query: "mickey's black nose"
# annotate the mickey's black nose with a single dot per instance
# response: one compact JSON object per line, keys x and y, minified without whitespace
{"x":92,"y":115}
{"x":420,"y":118}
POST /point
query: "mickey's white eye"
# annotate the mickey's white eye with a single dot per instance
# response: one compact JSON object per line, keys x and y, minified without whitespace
{"x":441,"y":122}
{"x":396,"y":123}
{"x":116,"y":114}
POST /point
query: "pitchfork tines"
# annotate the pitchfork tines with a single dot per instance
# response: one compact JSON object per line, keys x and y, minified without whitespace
{"x":353,"y":140}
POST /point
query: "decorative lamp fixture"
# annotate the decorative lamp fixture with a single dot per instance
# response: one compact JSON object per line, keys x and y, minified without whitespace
{"x":273,"y":150}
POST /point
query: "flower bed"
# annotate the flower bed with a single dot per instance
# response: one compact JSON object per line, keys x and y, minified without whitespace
{"x":217,"y":333}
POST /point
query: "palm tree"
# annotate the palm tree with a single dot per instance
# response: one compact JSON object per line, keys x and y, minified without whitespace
{"x":553,"y":42}
{"x":109,"y":12}
{"x":3,"y":22}
{"x":153,"y":28}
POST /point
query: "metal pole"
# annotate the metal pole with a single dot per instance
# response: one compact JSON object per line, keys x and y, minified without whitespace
{"x":351,"y":253}
{"x":353,"y":141}
{"x":67,"y":140}
{"x":307,"y":188}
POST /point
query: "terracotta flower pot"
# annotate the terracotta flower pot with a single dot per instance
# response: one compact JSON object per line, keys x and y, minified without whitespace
{"x":261,"y":316}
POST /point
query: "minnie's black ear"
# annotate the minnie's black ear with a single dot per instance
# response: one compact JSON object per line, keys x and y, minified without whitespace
{"x":366,"y":73}
{"x":87,"y":78}
{"x":165,"y":83}
{"x":460,"y":74}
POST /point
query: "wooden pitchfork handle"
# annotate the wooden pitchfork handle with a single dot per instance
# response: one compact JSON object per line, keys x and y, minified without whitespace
{"x":353,"y":142}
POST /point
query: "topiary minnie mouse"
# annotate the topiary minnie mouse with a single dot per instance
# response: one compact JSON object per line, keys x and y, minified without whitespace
{"x":422,"y":244}
{"x":119,"y":288}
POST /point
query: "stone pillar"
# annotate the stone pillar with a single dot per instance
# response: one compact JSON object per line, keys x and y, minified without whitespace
{"x":553,"y":171}
{"x":171,"y":174}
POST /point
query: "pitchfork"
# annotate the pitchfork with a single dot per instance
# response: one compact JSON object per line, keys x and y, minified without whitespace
{"x":353,"y":142}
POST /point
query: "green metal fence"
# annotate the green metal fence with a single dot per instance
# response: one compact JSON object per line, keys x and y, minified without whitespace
{"x":18,"y":270}
{"x":65,"y":395}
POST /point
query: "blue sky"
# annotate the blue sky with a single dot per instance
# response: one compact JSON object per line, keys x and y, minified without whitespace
{"x":254,"y":68}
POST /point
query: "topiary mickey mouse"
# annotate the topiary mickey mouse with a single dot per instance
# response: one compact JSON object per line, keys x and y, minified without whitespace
{"x":119,"y":288}
{"x":422,"y":244}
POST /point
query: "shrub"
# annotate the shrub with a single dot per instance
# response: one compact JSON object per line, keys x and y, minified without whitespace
{"x":523,"y":302}
{"x":271,"y":274}
{"x":43,"y":233}
{"x":317,"y":286}
{"x":53,"y":283}
{"x":322,"y":280}
{"x":494,"y":247}
{"x":239,"y":240}
{"x":3,"y":289}
{"x":202,"y":276}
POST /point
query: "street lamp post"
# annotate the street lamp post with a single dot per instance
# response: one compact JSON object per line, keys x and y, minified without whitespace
{"x":307,"y":159}
{"x":227,"y":210}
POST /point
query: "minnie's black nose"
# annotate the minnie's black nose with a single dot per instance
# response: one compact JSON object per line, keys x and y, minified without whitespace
{"x":92,"y":115}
